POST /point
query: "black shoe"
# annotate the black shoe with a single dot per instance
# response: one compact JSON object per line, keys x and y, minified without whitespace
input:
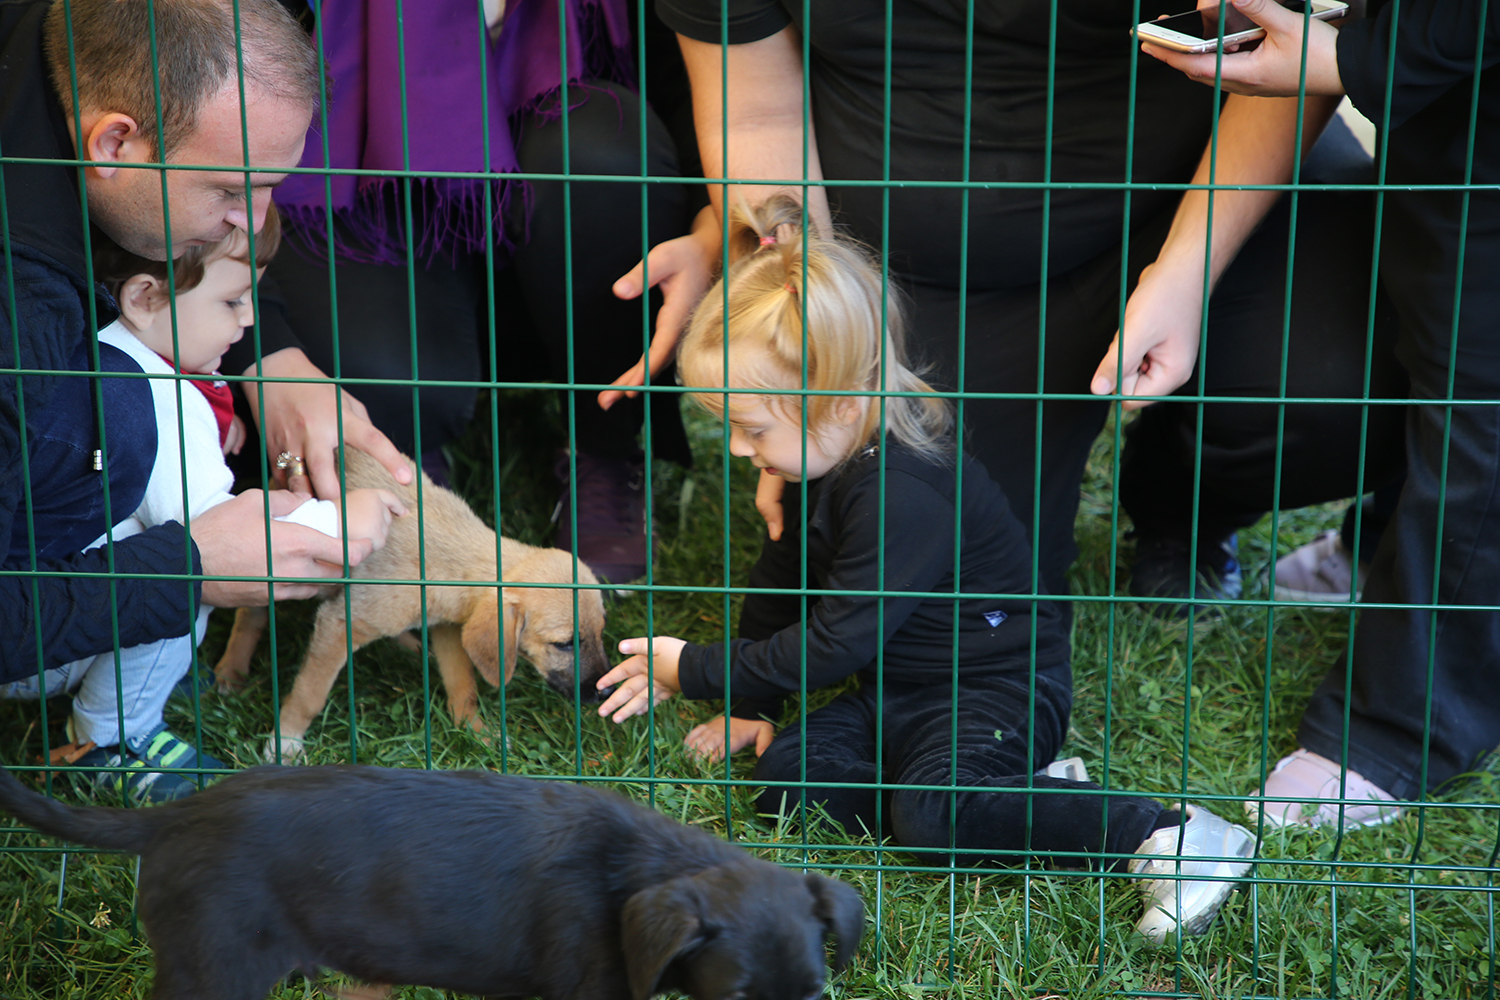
{"x":611,"y":515}
{"x":1161,"y":569}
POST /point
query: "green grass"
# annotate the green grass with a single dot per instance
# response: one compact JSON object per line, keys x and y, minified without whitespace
{"x":1401,"y":911}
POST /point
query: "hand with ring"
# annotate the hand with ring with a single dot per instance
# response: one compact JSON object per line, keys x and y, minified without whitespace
{"x":295,"y":469}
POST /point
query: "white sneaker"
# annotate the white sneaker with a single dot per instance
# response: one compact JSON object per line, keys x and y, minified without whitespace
{"x":1068,"y":769}
{"x":1187,"y":889}
{"x":1319,"y":572}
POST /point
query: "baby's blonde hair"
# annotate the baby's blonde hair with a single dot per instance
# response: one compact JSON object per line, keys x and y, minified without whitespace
{"x":775,"y":270}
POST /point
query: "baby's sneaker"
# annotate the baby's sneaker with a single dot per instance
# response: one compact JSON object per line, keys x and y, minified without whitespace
{"x":1192,"y":868}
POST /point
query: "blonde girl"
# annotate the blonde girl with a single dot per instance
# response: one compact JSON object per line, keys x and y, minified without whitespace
{"x":939,"y":658}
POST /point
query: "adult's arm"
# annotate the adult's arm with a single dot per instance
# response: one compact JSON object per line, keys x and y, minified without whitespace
{"x":71,"y":614}
{"x":1256,"y":144}
{"x":752,"y":93}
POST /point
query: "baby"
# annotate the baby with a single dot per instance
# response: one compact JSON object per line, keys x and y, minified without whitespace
{"x":181,"y":322}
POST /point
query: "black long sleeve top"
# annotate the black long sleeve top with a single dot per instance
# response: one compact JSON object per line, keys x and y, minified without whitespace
{"x":961,"y":599}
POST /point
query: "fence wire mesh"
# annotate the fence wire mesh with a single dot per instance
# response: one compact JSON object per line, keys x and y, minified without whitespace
{"x":1187,"y":698}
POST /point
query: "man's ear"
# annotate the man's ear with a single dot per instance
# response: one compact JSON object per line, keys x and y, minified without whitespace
{"x":141,"y":299}
{"x":115,"y":138}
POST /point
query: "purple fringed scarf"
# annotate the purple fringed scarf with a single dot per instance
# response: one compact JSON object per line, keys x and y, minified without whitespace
{"x":446,"y":87}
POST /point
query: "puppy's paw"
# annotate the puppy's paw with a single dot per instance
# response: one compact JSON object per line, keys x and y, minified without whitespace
{"x":292,"y":750}
{"x":228,"y":683}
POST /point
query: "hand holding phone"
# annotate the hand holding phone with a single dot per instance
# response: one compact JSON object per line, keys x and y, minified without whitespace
{"x":1199,"y":31}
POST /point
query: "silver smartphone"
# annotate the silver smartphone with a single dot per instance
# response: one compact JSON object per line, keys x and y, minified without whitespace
{"x":1198,"y":30}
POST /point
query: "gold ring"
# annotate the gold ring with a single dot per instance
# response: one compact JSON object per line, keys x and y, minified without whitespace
{"x":292,"y":464}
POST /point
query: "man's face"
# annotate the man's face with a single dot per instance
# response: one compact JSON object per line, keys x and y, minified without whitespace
{"x":205,"y":204}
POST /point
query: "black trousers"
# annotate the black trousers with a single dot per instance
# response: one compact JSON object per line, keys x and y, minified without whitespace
{"x":1335,"y":342}
{"x":1003,"y":351}
{"x":995,"y":726}
{"x":1420,"y":688}
{"x":537,"y":312}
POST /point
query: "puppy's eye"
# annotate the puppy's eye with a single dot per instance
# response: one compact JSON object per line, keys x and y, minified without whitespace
{"x":563,"y":647}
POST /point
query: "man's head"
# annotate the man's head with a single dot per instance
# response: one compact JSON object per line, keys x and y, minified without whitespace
{"x":116,"y":118}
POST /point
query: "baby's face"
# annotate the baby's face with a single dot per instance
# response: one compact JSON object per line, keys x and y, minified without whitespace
{"x":210,"y":317}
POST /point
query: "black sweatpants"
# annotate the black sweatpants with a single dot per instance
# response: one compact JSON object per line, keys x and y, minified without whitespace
{"x":1338,"y":345}
{"x":448,"y":301}
{"x":1423,"y":686}
{"x":1002,"y":352}
{"x":992,"y":748}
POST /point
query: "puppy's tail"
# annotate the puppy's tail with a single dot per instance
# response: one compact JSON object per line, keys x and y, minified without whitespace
{"x":125,"y":830}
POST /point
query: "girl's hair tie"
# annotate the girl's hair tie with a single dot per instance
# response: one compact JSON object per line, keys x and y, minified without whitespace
{"x":790,"y":287}
{"x":768,"y":241}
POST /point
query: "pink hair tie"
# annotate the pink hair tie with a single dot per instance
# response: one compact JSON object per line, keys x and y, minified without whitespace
{"x":768,"y":241}
{"x":790,"y":287}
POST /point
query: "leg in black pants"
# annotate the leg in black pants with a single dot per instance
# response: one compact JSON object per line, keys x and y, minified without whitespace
{"x":1333,"y":341}
{"x":1002,"y":354}
{"x":1442,"y":546}
{"x":1001,"y":815}
{"x":573,"y":241}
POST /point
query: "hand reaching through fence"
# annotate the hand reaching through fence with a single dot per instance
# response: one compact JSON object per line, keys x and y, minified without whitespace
{"x":648,"y":677}
{"x":683,"y":269}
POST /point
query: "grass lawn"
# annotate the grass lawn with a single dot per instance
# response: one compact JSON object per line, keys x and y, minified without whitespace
{"x":1401,"y":911}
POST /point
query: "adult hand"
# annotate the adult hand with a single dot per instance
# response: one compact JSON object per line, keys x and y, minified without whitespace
{"x":1273,"y":68}
{"x":768,"y":493}
{"x":303,"y":418}
{"x":683,"y":268}
{"x":707,"y":739}
{"x":1159,"y":342}
{"x":231,"y":540}
{"x":637,"y":692}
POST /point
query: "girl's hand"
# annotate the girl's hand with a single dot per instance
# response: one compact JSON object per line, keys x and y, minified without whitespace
{"x":708,"y":739}
{"x":768,"y":493}
{"x":636,"y":692}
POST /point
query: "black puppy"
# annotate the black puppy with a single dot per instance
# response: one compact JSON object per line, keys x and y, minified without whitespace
{"x":461,"y":880}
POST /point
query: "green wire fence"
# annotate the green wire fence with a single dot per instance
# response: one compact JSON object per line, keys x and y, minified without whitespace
{"x":1193,"y":712}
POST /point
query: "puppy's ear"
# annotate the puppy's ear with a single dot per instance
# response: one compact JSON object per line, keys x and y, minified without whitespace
{"x":480,"y":639}
{"x":659,"y":925}
{"x":842,"y":911}
{"x":515,"y":620}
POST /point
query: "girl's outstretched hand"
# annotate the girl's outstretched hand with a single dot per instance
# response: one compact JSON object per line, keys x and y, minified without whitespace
{"x":636,"y":692}
{"x":708,"y":738}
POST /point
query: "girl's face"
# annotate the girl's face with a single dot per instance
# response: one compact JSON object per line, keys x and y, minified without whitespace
{"x":772,"y":439}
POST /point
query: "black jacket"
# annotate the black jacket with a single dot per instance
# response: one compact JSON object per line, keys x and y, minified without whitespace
{"x":999,"y":629}
{"x":47,"y":312}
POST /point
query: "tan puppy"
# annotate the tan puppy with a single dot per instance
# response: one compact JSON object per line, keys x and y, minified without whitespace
{"x":469,"y":628}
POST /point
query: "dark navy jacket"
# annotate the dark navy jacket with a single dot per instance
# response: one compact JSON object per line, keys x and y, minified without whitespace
{"x":52,"y":501}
